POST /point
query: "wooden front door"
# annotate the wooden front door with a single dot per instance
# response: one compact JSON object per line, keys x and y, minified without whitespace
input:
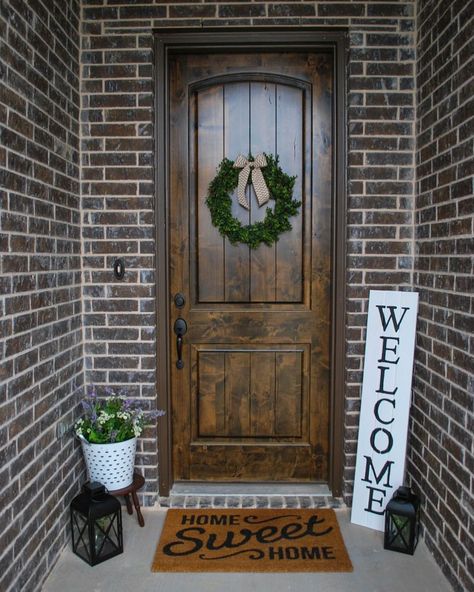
{"x":252,"y":400}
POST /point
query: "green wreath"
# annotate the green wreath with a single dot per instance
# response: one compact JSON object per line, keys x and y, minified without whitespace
{"x":276,"y":221}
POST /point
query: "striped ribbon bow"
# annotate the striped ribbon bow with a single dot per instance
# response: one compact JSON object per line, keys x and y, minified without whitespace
{"x":252,"y":168}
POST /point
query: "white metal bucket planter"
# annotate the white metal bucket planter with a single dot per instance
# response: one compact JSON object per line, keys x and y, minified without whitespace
{"x":110,"y":464}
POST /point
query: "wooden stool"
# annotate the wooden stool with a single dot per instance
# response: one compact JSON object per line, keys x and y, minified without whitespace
{"x":137,"y":483}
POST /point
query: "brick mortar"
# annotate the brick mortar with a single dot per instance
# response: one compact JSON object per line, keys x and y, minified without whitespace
{"x":100,"y":52}
{"x":41,"y":342}
{"x":381,"y":212}
{"x":440,"y":462}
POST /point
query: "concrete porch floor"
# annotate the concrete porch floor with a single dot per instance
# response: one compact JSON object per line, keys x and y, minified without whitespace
{"x":375,"y":570}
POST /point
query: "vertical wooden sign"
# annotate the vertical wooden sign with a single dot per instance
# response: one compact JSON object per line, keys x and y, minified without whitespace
{"x":385,"y":407}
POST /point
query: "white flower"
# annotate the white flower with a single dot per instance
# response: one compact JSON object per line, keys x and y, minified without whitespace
{"x":137,"y":428}
{"x":104,"y":417}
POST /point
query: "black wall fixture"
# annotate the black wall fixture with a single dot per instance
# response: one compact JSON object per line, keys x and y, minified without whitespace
{"x":119,"y":269}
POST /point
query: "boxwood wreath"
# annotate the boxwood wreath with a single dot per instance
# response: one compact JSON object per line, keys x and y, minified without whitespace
{"x":276,"y":221}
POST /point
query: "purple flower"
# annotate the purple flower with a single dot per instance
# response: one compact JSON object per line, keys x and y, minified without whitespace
{"x":156,"y":413}
{"x":135,"y":417}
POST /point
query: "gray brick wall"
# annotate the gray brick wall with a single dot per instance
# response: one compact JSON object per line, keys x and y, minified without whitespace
{"x":44,"y":110}
{"x":441,"y":461}
{"x":40,"y":283}
{"x":118,"y":192}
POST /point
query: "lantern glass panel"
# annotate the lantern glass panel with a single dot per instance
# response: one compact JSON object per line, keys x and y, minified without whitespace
{"x":80,"y":536}
{"x":106,"y":537}
{"x":399,"y":532}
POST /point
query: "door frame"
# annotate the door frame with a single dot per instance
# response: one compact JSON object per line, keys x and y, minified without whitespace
{"x":170,"y":41}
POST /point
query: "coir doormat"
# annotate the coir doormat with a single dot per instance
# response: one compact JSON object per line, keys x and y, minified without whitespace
{"x":251,"y":541}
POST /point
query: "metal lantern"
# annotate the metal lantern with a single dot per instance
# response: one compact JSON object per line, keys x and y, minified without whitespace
{"x":402,"y":521}
{"x":96,"y":524}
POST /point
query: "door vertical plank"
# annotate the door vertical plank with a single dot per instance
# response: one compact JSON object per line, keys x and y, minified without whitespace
{"x":290,"y":139}
{"x":237,"y":386}
{"x":262,"y":393}
{"x":211,"y":394}
{"x":321,"y":289}
{"x":210,"y":142}
{"x":288,"y":396}
{"x":179,"y":281}
{"x":236,"y":141}
{"x":262,"y":139}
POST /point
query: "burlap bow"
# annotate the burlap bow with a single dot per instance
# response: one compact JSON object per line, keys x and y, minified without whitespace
{"x":258,"y":182}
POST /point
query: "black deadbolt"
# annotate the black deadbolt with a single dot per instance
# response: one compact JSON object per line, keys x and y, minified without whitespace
{"x":179,"y":300}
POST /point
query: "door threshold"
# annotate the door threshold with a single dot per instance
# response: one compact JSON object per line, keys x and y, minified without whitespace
{"x":195,"y":494}
{"x":198,"y":488}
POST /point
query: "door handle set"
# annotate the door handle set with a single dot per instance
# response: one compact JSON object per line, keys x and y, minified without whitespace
{"x":180,"y":329}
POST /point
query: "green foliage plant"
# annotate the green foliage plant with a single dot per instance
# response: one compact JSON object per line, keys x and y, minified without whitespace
{"x":112,"y":419}
{"x":276,"y":221}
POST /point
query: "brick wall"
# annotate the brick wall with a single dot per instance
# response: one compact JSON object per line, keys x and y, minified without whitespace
{"x":118,"y":192}
{"x":40,"y":293}
{"x":40,"y":234}
{"x":441,"y":462}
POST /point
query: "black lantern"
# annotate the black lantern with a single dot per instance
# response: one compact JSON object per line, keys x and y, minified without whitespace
{"x":402,"y":521}
{"x":96,"y":523}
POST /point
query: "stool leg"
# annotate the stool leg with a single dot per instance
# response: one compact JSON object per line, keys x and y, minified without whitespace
{"x":136,"y":503}
{"x":129,"y":504}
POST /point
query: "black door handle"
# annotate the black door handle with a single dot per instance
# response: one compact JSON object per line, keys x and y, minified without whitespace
{"x":180,"y":329}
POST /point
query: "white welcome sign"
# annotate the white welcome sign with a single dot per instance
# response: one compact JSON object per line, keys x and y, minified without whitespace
{"x":385,"y":407}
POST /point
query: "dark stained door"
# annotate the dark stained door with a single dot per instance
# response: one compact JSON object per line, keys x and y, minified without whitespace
{"x":252,"y":401}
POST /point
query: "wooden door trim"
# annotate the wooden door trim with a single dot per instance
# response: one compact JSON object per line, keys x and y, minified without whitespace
{"x":169,"y":41}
